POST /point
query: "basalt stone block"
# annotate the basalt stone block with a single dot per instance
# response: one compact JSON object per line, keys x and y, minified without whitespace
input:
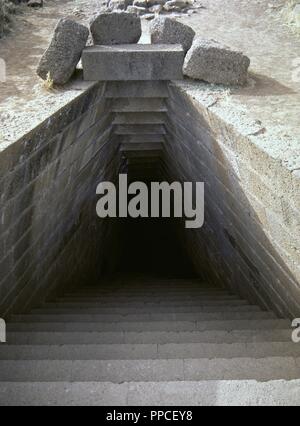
{"x":169,"y":31}
{"x":210,"y":61}
{"x":133,"y":62}
{"x":116,"y":28}
{"x":64,"y":52}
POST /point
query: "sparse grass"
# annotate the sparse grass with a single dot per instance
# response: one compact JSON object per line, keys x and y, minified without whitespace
{"x":48,"y":84}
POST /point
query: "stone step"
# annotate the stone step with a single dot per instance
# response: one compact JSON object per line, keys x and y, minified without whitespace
{"x":155,"y":307}
{"x":134,"y":147}
{"x":152,"y":289}
{"x":177,"y":394}
{"x":48,"y":309}
{"x":140,"y":129}
{"x":146,"y":301}
{"x":144,"y":139}
{"x":144,"y":155}
{"x":212,"y":336}
{"x":164,"y":299}
{"x":139,"y":105}
{"x":146,"y":281}
{"x":139,"y":118}
{"x":155,"y":295}
{"x":121,"y":351}
{"x":136,"y":89}
{"x":157,"y":316}
{"x":140,"y":326}
{"x":144,"y":284}
{"x":119,"y":371}
{"x":154,"y":292}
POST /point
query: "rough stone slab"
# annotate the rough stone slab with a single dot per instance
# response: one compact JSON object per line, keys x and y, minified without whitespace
{"x":213,"y":62}
{"x":165,"y":30}
{"x":153,"y":299}
{"x":145,"y":309}
{"x":63,"y":394}
{"x":136,"y":89}
{"x":216,"y":393}
{"x":198,"y":304}
{"x":146,"y":139}
{"x":141,"y":146}
{"x":116,"y":28}
{"x":142,"y":317}
{"x":139,"y":105}
{"x":269,"y":368}
{"x":140,"y":326}
{"x":122,"y":351}
{"x":114,"y":371}
{"x":119,"y":371}
{"x":202,"y":393}
{"x":187,"y":291}
{"x":133,"y":62}
{"x":144,"y":155}
{"x":213,"y":336}
{"x":140,"y":118}
{"x":64,"y":51}
{"x":150,"y":300}
{"x":140,"y":129}
{"x":143,"y":164}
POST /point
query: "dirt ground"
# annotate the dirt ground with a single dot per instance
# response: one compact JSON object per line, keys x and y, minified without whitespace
{"x":270,"y":103}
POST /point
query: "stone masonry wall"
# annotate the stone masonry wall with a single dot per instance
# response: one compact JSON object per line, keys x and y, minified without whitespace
{"x":51,"y":238}
{"x":49,"y":231}
{"x":251,"y":233}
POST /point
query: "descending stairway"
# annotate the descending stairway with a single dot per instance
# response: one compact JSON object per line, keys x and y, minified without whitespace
{"x":170,"y":342}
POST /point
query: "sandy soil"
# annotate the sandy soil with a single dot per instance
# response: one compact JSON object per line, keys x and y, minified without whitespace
{"x":271,"y":99}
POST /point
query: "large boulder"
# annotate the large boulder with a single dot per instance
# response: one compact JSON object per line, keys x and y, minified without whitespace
{"x":116,"y":28}
{"x":64,"y":52}
{"x":212,"y":62}
{"x":169,"y":31}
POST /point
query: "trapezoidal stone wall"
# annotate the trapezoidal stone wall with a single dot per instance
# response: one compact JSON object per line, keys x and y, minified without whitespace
{"x":250,"y":240}
{"x":49,"y":232}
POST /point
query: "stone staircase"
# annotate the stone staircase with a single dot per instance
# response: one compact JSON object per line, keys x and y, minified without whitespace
{"x":145,"y":342}
{"x":139,"y":129}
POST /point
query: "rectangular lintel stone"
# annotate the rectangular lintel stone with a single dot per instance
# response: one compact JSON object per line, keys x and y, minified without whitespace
{"x":133,"y":62}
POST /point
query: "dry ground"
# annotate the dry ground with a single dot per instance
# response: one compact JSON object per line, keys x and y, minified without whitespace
{"x":269,"y":105}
